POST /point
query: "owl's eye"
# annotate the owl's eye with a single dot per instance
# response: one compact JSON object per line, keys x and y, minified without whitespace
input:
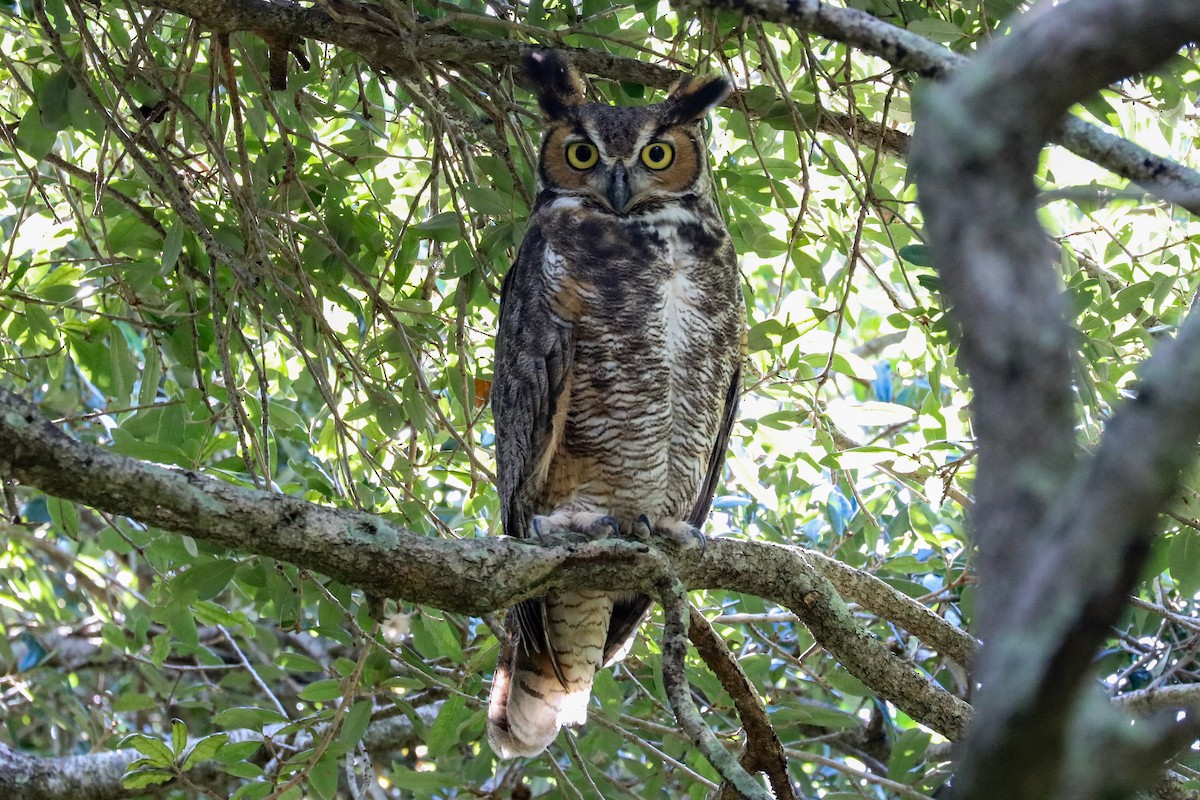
{"x":658,"y":155}
{"x":582,"y":155}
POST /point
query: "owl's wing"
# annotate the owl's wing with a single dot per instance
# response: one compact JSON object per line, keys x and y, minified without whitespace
{"x":716,"y":461}
{"x":534,"y":355}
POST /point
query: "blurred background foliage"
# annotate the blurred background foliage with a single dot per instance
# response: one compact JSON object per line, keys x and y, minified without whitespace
{"x":295,"y":289}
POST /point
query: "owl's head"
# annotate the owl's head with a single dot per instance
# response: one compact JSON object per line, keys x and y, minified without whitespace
{"x":622,"y":160}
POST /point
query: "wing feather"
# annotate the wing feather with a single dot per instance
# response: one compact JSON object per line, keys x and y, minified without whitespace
{"x":534,"y":356}
{"x":716,"y":460}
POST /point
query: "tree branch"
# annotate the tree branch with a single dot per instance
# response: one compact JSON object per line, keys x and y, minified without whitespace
{"x":873,"y":594}
{"x":98,"y":776}
{"x":1163,"y":698}
{"x":1057,"y":554}
{"x":387,"y":47}
{"x":674,"y":648}
{"x":762,"y":750}
{"x":470,"y":576}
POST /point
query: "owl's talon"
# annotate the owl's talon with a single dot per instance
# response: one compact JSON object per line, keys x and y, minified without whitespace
{"x":643,"y":529}
{"x":604,"y":528}
{"x":677,"y":532}
{"x":683,"y":535}
{"x":537,"y":529}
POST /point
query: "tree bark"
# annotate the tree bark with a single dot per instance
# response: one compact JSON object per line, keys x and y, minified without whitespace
{"x":1061,"y":539}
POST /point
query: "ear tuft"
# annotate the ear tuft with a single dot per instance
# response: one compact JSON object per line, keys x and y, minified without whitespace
{"x":558,"y":85}
{"x":694,"y":96}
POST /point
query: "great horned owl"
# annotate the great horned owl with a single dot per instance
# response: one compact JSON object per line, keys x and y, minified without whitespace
{"x":617,"y":372}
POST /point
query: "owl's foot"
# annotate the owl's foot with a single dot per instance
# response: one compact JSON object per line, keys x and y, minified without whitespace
{"x":586,"y":525}
{"x":675,"y":531}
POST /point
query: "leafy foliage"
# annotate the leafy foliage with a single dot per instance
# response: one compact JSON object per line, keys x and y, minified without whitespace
{"x":295,"y":289}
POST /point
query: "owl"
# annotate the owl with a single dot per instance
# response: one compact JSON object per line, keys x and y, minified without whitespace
{"x":618,"y":355}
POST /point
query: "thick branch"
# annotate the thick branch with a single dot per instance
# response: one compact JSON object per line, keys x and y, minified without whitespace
{"x":472,"y":576}
{"x":369,"y":32}
{"x":876,"y":595}
{"x":97,"y":776}
{"x":910,"y":51}
{"x":1057,"y":555}
{"x":1148,"y":701}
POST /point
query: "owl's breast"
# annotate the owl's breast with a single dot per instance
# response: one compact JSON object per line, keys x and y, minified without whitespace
{"x":656,"y":308}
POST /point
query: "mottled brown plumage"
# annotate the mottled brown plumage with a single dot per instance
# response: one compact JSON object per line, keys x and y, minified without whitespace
{"x":617,"y":372}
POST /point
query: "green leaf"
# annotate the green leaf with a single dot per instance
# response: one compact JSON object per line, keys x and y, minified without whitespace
{"x":937,"y":30}
{"x":424,"y":781}
{"x":172,"y":245}
{"x":322,"y":691}
{"x":233,"y":752}
{"x":917,"y":254}
{"x":178,"y":737}
{"x":205,"y":581}
{"x":155,"y":751}
{"x":52,"y":100}
{"x":907,"y":755}
{"x":443,"y":734}
{"x":811,"y":713}
{"x":766,"y":335}
{"x":247,"y":717}
{"x":253,"y":791}
{"x":298,"y":662}
{"x":443,"y":227}
{"x":486,"y":200}
{"x":1130,"y":298}
{"x":150,"y":376}
{"x":160,"y":648}
{"x":434,"y":638}
{"x":355,"y":723}
{"x":133,"y":701}
{"x":206,"y":748}
{"x":323,"y":777}
{"x":124,"y":371}
{"x":144,"y":777}
{"x":33,"y":136}
{"x":1184,"y":559}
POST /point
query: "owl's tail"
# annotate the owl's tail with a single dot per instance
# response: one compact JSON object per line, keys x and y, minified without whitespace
{"x":544,"y":681}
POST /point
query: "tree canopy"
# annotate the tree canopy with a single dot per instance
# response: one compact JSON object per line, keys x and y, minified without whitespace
{"x":250,"y":253}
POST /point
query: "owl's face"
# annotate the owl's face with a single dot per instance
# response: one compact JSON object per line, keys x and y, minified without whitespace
{"x":621,"y":160}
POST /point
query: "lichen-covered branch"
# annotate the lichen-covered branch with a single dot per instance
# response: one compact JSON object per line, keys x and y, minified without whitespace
{"x":877,"y":596}
{"x":679,"y":694}
{"x":906,"y":50}
{"x":472,"y":576}
{"x":1060,"y":543}
{"x":1184,"y":696}
{"x":98,"y":776}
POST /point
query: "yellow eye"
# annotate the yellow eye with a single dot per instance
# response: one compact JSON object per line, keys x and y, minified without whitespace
{"x":658,"y":155}
{"x":582,"y":155}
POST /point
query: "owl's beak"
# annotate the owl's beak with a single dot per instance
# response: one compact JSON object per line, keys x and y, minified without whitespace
{"x":618,"y":189}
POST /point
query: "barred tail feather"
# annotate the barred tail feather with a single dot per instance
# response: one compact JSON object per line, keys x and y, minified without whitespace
{"x":537,"y":690}
{"x":527,"y":704}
